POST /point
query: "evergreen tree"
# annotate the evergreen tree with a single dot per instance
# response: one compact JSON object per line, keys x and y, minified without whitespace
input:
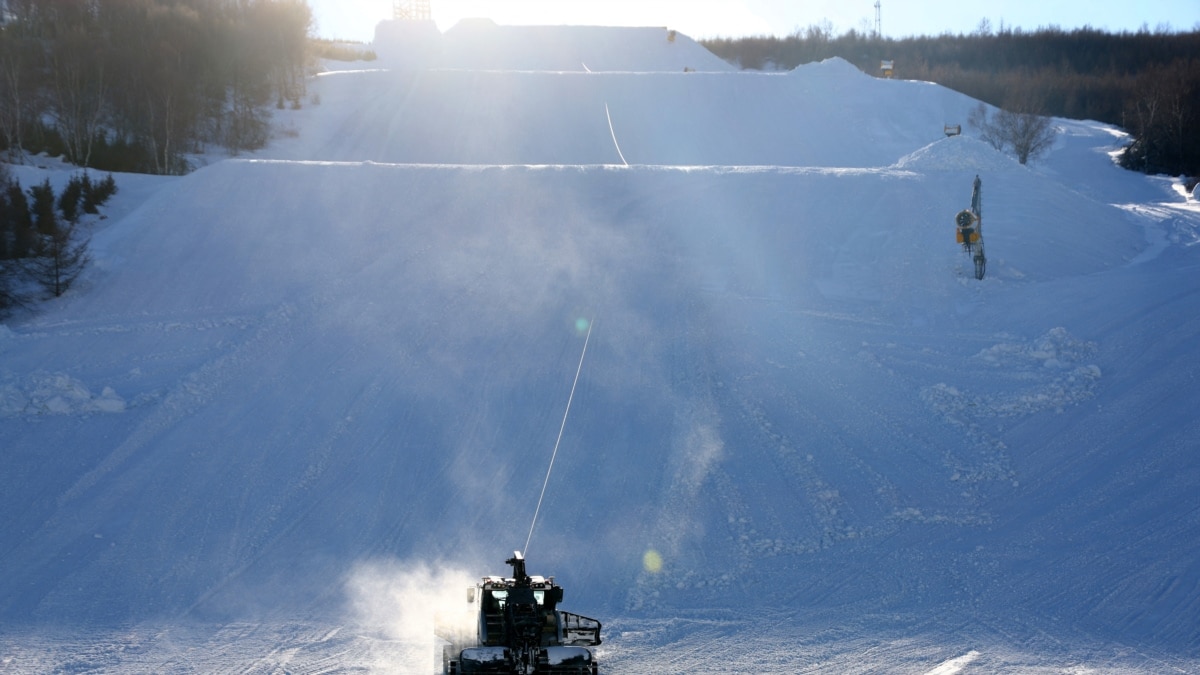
{"x":43,"y":209}
{"x":6,"y":229}
{"x":96,"y":194}
{"x":61,"y":258}
{"x":60,"y":253}
{"x":8,"y":297}
{"x":20,"y":222}
{"x":71,"y":198}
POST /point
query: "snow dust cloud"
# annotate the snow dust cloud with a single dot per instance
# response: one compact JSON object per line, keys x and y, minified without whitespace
{"x":398,"y":605}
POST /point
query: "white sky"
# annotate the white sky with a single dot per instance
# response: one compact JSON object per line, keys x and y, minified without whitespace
{"x":356,"y":19}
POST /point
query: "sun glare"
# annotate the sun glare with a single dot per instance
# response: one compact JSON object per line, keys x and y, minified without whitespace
{"x":694,"y":17}
{"x":356,"y":19}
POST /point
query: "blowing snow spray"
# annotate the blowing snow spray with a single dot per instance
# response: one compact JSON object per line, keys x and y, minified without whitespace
{"x":520,"y":630}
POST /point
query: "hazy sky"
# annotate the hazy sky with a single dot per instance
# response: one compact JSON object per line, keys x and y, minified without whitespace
{"x":356,"y":19}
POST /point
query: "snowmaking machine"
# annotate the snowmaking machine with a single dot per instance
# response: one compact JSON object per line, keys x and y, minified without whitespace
{"x":969,"y":229}
{"x":520,"y":630}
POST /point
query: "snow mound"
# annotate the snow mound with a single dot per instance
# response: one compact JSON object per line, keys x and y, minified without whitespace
{"x":833,"y":68}
{"x":957,"y":153}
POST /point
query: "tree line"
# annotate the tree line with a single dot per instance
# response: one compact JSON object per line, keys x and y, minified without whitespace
{"x":136,"y":85}
{"x":1145,"y":82}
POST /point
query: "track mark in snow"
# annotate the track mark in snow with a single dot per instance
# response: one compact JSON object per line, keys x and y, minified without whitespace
{"x":614,"y":135}
{"x":195,"y":391}
{"x":955,"y":665}
{"x":1164,"y":225}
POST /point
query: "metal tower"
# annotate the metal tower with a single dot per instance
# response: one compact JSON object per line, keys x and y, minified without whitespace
{"x":411,"y":10}
{"x":878,"y":21}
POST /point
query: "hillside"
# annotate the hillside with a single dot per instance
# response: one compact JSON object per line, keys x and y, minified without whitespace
{"x":303,"y":396}
{"x":1125,"y":79}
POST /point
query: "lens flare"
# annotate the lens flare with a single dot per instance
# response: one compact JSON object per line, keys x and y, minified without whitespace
{"x":652,"y":561}
{"x":581,"y":324}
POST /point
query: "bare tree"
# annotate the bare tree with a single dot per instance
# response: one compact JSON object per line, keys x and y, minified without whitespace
{"x":1027,"y":135}
{"x":18,"y":77}
{"x":1158,"y":113}
{"x":80,"y":101}
{"x":1030,"y":136}
{"x":989,"y":133}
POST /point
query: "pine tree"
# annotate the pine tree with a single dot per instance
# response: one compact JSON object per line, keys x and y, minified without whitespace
{"x":60,"y":254}
{"x":60,"y":259}
{"x":71,"y":198}
{"x":20,"y":222}
{"x":6,"y":229}
{"x":95,"y":194}
{"x":42,"y":208}
{"x":7,"y":297}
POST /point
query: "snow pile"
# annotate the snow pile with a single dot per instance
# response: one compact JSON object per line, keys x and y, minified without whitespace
{"x":1056,"y":350}
{"x":1049,"y":373}
{"x":42,"y":393}
{"x":957,"y":153}
{"x":835,"y":71}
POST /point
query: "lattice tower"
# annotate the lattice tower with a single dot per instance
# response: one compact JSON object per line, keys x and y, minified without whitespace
{"x":412,"y":10}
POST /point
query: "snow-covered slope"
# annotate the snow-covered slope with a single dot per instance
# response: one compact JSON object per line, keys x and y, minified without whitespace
{"x":480,"y":44}
{"x":826,"y":114}
{"x":294,"y":383}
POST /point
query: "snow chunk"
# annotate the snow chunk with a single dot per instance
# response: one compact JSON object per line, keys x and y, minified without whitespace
{"x":55,"y":394}
{"x":957,"y":153}
{"x":1057,"y":349}
{"x":1049,"y":372}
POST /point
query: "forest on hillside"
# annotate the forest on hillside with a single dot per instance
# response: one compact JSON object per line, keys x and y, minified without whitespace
{"x":136,"y":85}
{"x":1146,"y":82}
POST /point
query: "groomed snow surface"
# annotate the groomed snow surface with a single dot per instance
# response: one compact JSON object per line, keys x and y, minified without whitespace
{"x":302,"y":399}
